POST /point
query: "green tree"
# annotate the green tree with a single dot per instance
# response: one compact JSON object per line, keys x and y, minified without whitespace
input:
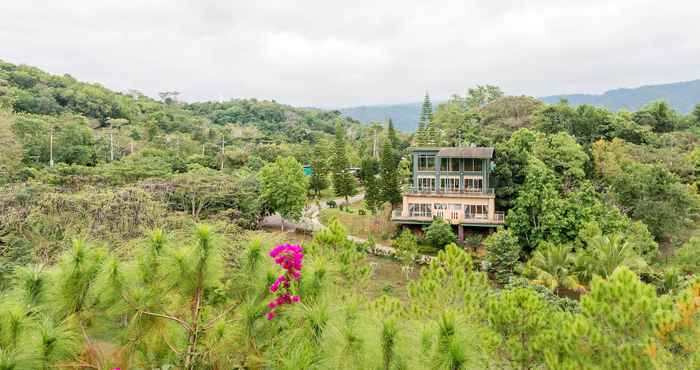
{"x":319,"y":166}
{"x":284,"y":188}
{"x":502,"y":255}
{"x":538,"y":211}
{"x":638,"y":188}
{"x":522,"y":319}
{"x":563,"y":155}
{"x":390,"y":182}
{"x":696,"y":114}
{"x":553,"y":266}
{"x":482,"y":95}
{"x":511,"y":160}
{"x":343,"y":181}
{"x":456,"y":124}
{"x":439,"y":233}
{"x":425,"y":135}
{"x":659,"y":115}
{"x":406,"y":246}
{"x":553,"y":118}
{"x":615,"y":330}
{"x":373,"y":192}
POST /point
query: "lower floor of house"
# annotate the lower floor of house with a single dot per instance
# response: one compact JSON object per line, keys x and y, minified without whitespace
{"x":457,"y":210}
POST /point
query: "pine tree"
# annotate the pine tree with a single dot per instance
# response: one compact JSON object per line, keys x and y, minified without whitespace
{"x":425,"y":135}
{"x":390,"y":184}
{"x":319,"y":165}
{"x":373,"y":193}
{"x":343,"y":180}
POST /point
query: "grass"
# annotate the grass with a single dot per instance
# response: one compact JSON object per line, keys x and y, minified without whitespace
{"x":387,"y":277}
{"x":362,"y":226}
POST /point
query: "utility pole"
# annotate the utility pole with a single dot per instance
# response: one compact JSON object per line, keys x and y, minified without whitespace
{"x":222,"y":152}
{"x":51,"y":147}
{"x":374,"y":146}
{"x":111,"y":142}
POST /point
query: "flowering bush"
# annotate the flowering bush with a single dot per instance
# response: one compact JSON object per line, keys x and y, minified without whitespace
{"x":290,"y":258}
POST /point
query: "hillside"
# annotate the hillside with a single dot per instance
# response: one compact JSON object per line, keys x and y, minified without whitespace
{"x":681,"y":95}
{"x":405,"y":116}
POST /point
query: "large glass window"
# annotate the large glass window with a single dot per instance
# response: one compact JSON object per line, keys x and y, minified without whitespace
{"x":476,"y":211}
{"x":426,"y":184}
{"x":473,"y":184}
{"x":449,"y":164}
{"x":449,"y":184}
{"x":426,"y":162}
{"x":420,"y":210}
{"x":455,"y":210}
{"x":472,"y":164}
{"x":440,"y":209}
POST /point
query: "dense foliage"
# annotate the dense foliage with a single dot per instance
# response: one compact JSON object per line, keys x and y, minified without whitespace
{"x":595,"y":268}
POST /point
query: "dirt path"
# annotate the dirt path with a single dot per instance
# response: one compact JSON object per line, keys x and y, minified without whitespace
{"x":310,"y":222}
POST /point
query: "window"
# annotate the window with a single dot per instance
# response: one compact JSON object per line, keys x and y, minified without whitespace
{"x":473,"y":184}
{"x":472,"y":164}
{"x":449,"y":184}
{"x":426,"y":184}
{"x":426,"y":162}
{"x":455,"y":210}
{"x":449,"y":164}
{"x":476,"y":211}
{"x":440,"y":209}
{"x":419,"y":210}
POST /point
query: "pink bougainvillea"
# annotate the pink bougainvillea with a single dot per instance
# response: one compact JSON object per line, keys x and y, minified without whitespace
{"x":290,"y":258}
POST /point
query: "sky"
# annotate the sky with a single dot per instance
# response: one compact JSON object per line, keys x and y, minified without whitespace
{"x":338,"y":54}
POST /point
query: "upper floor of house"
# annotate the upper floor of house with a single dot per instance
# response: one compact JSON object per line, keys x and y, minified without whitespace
{"x":452,"y":171}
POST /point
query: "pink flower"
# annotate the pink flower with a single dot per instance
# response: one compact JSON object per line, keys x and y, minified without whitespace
{"x":290,"y":258}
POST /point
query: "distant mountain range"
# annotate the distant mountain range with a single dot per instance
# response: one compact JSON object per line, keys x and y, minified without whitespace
{"x":681,"y":95}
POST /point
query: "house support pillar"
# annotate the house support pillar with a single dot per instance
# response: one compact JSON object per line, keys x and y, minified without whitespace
{"x":460,"y":233}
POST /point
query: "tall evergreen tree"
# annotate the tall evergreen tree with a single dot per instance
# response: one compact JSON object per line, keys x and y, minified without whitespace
{"x":390,"y":181}
{"x":425,"y":136}
{"x":343,"y":180}
{"x":319,"y":165}
{"x":426,"y":111}
{"x":373,"y":191}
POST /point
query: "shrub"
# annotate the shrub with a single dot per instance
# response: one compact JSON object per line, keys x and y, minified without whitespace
{"x":361,"y":212}
{"x":331,"y":204}
{"x":502,"y":254}
{"x":406,"y":247}
{"x":439,"y":233}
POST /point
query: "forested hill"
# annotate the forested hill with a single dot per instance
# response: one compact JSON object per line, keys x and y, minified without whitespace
{"x":681,"y":95}
{"x":405,"y":116}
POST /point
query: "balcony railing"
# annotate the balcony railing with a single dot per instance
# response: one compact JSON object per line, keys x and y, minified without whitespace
{"x":415,"y":190}
{"x":498,"y":217}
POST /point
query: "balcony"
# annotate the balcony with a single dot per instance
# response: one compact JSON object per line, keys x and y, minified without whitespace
{"x":451,"y":217}
{"x":468,"y":191}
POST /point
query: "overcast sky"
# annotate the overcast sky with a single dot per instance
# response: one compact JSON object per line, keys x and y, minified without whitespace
{"x":328,"y":53}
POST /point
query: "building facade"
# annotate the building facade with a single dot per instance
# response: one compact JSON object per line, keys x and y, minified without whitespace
{"x":453,"y":184}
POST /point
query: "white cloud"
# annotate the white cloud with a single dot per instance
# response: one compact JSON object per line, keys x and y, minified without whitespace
{"x":327,"y":54}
